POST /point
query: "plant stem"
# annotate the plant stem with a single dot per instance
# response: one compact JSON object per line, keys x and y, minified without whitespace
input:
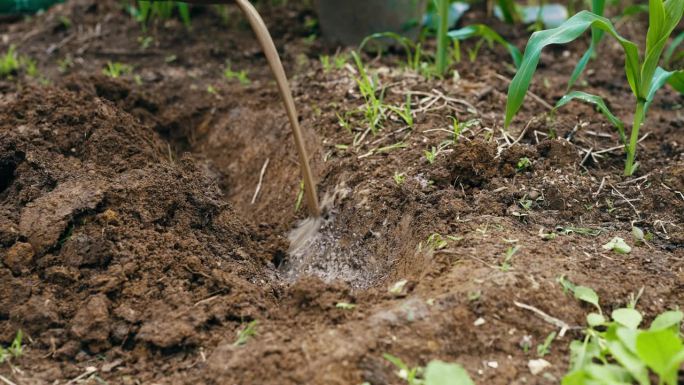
{"x":442,"y":38}
{"x":639,"y":116}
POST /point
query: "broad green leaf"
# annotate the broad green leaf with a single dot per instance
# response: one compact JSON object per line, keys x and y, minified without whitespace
{"x":595,"y":319}
{"x":656,"y":349}
{"x":485,"y":32}
{"x":609,"y":374}
{"x":627,"y":317}
{"x":588,"y":295}
{"x":600,"y":105}
{"x":667,"y":320}
{"x":567,"y":32}
{"x":628,"y":338}
{"x":442,"y":373}
{"x":578,"y":377}
{"x":629,"y":361}
{"x":617,"y":245}
{"x":673,"y":367}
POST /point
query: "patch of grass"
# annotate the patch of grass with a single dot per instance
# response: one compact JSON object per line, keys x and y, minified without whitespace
{"x":12,"y":64}
{"x":116,"y":69}
{"x":145,"y":11}
{"x":241,"y":76}
{"x":373,"y":110}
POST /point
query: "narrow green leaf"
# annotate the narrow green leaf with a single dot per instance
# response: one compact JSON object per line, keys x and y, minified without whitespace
{"x":667,"y":320}
{"x":442,"y":373}
{"x":600,"y":105}
{"x":567,"y":32}
{"x":483,"y":31}
{"x":676,"y":42}
{"x":663,"y":18}
{"x":598,"y":8}
{"x":627,"y":317}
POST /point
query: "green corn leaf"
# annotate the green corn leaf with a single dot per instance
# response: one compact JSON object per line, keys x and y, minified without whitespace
{"x":667,"y":320}
{"x":483,"y":31}
{"x":676,"y":42}
{"x":598,"y":8}
{"x":184,"y":11}
{"x":660,"y":78}
{"x":677,"y":81}
{"x":509,"y":11}
{"x":656,"y":349}
{"x":600,"y":105}
{"x":663,"y":18}
{"x":573,"y":28}
{"x":442,"y":373}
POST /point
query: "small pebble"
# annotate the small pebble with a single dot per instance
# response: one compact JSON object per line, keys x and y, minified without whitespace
{"x":538,"y":366}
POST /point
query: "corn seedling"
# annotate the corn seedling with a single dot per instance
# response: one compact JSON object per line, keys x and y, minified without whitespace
{"x":15,"y":350}
{"x":643,"y":74}
{"x":246,"y":334}
{"x":671,"y":54}
{"x":373,"y":110}
{"x":149,"y":10}
{"x":435,"y":373}
{"x":116,"y":69}
{"x":616,"y":350}
{"x":598,"y":8}
{"x":241,"y":76}
{"x":488,"y":35}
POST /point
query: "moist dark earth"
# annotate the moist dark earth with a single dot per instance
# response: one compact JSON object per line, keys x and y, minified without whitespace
{"x":131,"y":251}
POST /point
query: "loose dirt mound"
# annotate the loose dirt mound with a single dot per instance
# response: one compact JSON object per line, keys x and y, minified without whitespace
{"x":109,"y":242}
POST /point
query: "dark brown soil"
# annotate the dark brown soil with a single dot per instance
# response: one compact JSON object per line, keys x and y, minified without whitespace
{"x":131,"y":252}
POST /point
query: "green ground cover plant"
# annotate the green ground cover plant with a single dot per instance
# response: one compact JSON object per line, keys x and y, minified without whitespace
{"x":643,"y":74}
{"x":616,"y":351}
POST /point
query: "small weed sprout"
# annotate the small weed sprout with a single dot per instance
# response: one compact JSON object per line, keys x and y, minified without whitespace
{"x":150,"y":10}
{"x":523,"y":164}
{"x":404,"y":112}
{"x":9,"y":63}
{"x":325,"y":62}
{"x":545,"y":348}
{"x":399,"y":178}
{"x":116,"y":69}
{"x":246,"y":333}
{"x":241,"y":76}
{"x":15,"y":350}
{"x":506,"y":265}
{"x":435,"y":373}
{"x":431,"y":154}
